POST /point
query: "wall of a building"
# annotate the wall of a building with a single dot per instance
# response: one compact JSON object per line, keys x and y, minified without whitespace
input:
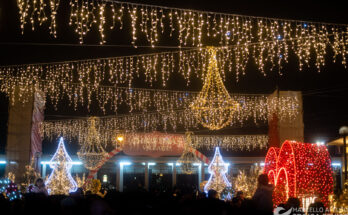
{"x":286,"y":128}
{"x":18,"y":137}
{"x":292,"y":129}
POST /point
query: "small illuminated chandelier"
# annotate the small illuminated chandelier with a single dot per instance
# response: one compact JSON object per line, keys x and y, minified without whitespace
{"x":213,"y":107}
{"x":91,"y":152}
{"x":187,"y":158}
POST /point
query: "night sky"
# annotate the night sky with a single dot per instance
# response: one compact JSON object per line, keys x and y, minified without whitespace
{"x":324,"y":94}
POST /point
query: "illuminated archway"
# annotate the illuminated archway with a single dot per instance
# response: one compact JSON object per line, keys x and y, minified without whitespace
{"x":303,"y":168}
{"x":286,"y":160}
{"x":271,"y":159}
{"x":272,"y":176}
{"x":281,"y":191}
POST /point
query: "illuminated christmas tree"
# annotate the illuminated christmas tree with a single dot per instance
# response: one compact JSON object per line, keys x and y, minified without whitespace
{"x":217,"y":169}
{"x":60,"y":181}
{"x":246,"y":181}
{"x":341,"y":204}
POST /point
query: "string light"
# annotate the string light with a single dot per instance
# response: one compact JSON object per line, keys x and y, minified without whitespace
{"x":4,"y":183}
{"x":156,"y":141}
{"x":30,"y":175}
{"x":20,"y":88}
{"x":102,"y":74}
{"x":245,"y":182}
{"x":213,"y":107}
{"x":54,"y":5}
{"x":91,"y":151}
{"x":339,"y":204}
{"x":187,"y":24}
{"x":80,"y":181}
{"x":231,"y":142}
{"x":270,"y":44}
{"x":23,"y":6}
{"x":60,"y":180}
{"x":108,"y":126}
{"x":299,"y":169}
{"x":12,"y":192}
{"x":153,"y":141}
{"x":102,"y":22}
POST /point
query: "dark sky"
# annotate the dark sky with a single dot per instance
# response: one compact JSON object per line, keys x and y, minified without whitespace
{"x":325,"y":94}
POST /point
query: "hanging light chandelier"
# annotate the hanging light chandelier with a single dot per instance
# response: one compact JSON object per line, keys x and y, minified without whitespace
{"x":187,"y":158}
{"x":214,"y":108}
{"x":91,"y":152}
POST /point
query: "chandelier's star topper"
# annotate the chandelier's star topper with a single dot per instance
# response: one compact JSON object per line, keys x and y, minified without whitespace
{"x":60,"y":181}
{"x":217,"y":169}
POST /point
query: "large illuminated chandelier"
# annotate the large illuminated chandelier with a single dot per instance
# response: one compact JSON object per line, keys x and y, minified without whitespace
{"x":187,"y":158}
{"x":91,"y":152}
{"x":213,"y":107}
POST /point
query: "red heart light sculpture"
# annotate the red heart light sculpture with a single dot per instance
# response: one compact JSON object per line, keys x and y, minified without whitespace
{"x":299,"y":169}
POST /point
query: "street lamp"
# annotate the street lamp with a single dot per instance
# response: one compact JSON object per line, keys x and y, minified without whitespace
{"x":119,"y":139}
{"x":344,"y":132}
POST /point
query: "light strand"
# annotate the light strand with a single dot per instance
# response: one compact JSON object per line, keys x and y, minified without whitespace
{"x":149,"y":21}
{"x":189,"y":63}
{"x":154,"y":141}
{"x":78,"y":130}
{"x":140,"y":99}
{"x":231,"y":142}
{"x":255,"y":109}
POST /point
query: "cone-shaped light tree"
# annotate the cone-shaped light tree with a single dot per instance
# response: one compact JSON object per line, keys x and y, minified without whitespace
{"x":60,"y":181}
{"x":217,"y":169}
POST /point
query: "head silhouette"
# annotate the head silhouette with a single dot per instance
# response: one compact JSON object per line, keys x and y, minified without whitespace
{"x":212,"y":194}
{"x":39,"y":182}
{"x":262,"y":179}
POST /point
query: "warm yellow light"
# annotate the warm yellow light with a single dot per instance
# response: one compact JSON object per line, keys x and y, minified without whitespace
{"x":91,"y":151}
{"x":120,"y":138}
{"x":213,"y":107}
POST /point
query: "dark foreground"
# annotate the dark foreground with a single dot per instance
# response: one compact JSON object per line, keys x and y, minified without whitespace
{"x":128,"y":203}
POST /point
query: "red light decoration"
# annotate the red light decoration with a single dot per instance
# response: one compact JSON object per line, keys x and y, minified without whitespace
{"x":299,"y":169}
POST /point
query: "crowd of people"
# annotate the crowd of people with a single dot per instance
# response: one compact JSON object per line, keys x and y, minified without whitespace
{"x":179,"y":201}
